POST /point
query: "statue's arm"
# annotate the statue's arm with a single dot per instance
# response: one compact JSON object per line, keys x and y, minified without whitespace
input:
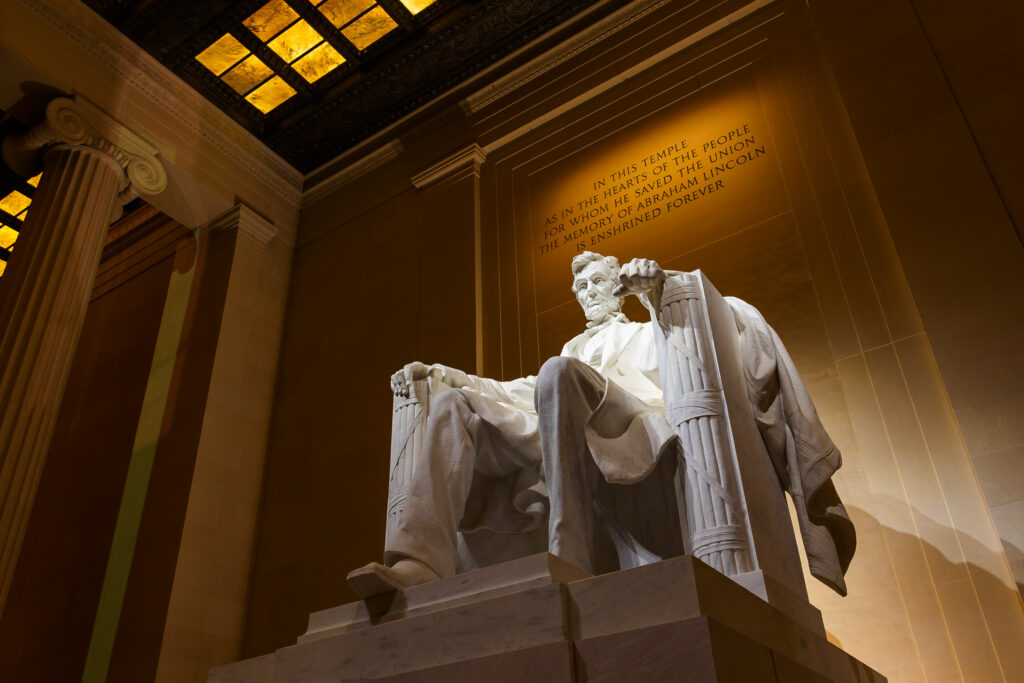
{"x":646,"y":279}
{"x":518,"y":392}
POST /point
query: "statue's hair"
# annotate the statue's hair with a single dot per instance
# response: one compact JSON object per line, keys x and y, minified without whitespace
{"x":583,"y":260}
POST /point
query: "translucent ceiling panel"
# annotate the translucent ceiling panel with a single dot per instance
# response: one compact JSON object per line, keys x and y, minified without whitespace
{"x":417,"y":6}
{"x":14,"y":203}
{"x":270,"y":19}
{"x":8,"y":236}
{"x":295,"y":40}
{"x":318,"y":62}
{"x":340,"y":12}
{"x":368,"y":28}
{"x":270,"y":94}
{"x":247,"y":74}
{"x":223,"y":54}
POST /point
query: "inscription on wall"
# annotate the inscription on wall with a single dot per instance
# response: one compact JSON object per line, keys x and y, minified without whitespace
{"x":650,"y":187}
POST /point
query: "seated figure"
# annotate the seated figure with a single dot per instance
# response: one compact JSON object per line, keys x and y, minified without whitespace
{"x":567,"y":457}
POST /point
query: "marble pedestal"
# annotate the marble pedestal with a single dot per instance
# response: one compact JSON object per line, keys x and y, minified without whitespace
{"x":541,"y":619}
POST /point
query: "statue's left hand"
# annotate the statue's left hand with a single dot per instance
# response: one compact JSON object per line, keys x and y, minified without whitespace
{"x":401,"y":380}
{"x":639,"y":276}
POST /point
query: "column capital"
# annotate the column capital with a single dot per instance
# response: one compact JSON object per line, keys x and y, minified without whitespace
{"x":75,"y":122}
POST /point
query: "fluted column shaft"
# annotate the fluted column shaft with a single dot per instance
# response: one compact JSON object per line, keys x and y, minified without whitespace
{"x":43,"y":301}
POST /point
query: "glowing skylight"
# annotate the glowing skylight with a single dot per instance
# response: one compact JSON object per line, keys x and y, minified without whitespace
{"x":13,"y":211}
{"x":417,"y":6}
{"x":363,"y":22}
{"x":261,"y":79}
{"x":220,"y":56}
{"x":270,"y":94}
{"x":270,"y":19}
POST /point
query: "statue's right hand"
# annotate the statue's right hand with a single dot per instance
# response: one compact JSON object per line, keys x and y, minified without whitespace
{"x":401,"y":380}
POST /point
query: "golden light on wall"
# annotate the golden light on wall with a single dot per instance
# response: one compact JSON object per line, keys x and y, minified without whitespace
{"x":13,"y":211}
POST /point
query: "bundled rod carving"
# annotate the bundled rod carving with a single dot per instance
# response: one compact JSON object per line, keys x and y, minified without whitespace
{"x":694,"y":406}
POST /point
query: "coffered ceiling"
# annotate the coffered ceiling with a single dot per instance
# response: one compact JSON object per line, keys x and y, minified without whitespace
{"x":312,"y":78}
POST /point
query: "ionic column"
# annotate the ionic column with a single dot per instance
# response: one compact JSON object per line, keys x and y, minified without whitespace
{"x":90,"y":166}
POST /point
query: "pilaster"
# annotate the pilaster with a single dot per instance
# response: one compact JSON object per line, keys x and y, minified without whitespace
{"x":209,"y":596}
{"x":452,"y":310}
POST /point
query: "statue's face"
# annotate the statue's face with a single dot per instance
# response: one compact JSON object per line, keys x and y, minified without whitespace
{"x":593,"y":287}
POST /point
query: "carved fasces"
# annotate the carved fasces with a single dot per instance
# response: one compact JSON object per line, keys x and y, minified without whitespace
{"x":694,"y":407}
{"x":408,"y":428}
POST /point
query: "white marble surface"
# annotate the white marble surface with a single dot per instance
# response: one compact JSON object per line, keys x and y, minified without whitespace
{"x":675,"y":387}
{"x":610,"y":625}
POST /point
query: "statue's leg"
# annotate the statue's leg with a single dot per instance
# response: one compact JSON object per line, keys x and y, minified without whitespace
{"x":439,"y":487}
{"x":568,"y":393}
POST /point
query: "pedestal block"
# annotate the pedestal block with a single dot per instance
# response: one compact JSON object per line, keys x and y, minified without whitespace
{"x":542,"y":619}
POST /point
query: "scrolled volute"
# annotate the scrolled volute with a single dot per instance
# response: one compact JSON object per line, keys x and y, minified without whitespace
{"x":76,"y":122}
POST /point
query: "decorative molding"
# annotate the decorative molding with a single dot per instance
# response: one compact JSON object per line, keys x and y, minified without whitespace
{"x":178,"y":100}
{"x":569,"y":48}
{"x":352,"y":172}
{"x":247,"y":222}
{"x":76,"y":122}
{"x":469,"y":158}
{"x":530,"y":71}
{"x":135,"y":243}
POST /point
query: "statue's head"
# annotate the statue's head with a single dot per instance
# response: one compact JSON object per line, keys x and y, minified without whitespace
{"x":594,"y":278}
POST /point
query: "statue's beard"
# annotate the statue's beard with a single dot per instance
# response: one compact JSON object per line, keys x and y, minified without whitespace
{"x":602,"y":310}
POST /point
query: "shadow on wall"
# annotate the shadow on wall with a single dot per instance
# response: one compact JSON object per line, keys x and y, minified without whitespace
{"x":951,"y":607}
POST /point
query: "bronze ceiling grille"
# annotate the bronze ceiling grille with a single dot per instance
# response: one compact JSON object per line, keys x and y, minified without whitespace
{"x":312,"y":78}
{"x":286,"y":46}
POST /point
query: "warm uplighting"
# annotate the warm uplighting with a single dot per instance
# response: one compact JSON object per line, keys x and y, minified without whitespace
{"x":417,"y":6}
{"x":15,"y":209}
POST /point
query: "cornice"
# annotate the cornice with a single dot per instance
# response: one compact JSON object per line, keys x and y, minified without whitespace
{"x":574,"y":45}
{"x":169,"y":93}
{"x":470,"y":158}
{"x":542,"y":64}
{"x":247,"y":222}
{"x":352,"y":172}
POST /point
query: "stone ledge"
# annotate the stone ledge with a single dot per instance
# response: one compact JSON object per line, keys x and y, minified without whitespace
{"x":540,"y":618}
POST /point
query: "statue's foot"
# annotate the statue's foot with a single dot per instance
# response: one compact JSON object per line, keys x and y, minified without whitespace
{"x":376,"y":579}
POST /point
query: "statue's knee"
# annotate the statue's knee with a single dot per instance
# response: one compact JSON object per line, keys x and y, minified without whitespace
{"x":558,"y":371}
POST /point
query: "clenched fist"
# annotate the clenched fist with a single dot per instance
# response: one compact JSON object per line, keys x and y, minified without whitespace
{"x":639,"y":276}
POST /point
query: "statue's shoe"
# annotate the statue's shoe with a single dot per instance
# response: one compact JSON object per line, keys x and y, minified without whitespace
{"x":376,"y":579}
